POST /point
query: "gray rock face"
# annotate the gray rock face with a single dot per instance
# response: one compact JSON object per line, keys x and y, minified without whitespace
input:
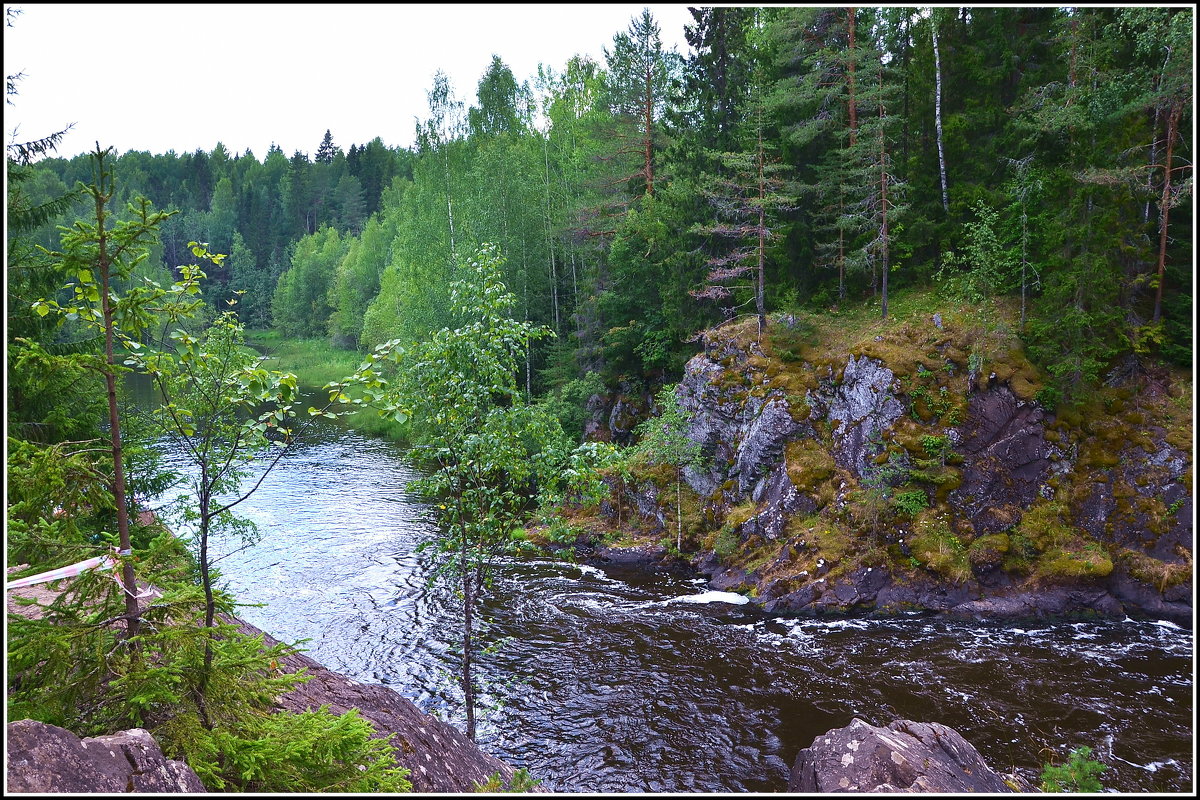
{"x":903,"y":757}
{"x":46,"y":758}
{"x":1006,"y":459}
{"x":762,"y":445}
{"x":778,"y":499}
{"x":715,"y":423}
{"x":859,"y":409}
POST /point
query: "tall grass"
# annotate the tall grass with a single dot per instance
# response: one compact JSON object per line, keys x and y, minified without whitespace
{"x":316,"y":363}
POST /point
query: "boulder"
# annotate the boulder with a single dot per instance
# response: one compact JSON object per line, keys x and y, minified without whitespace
{"x":47,"y":758}
{"x":905,"y":756}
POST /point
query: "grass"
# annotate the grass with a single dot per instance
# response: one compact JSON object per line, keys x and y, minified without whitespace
{"x":316,"y":363}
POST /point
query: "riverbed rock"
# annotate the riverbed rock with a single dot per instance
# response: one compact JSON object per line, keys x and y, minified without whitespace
{"x":47,"y":758}
{"x":905,"y":756}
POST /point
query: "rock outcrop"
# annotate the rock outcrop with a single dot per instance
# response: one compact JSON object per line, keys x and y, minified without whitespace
{"x":901,"y":474}
{"x":438,"y":756}
{"x":46,"y":758}
{"x":905,"y":757}
{"x":1006,"y":459}
{"x":858,"y":408}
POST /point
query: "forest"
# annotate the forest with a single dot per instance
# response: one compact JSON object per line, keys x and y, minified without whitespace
{"x":798,"y":158}
{"x":590,"y":222}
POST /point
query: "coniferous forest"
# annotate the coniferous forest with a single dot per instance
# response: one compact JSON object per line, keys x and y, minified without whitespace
{"x":549,"y":239}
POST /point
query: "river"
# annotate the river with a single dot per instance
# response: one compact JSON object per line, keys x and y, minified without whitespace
{"x":615,"y":681}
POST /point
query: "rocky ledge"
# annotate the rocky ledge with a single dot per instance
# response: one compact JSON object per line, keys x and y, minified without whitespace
{"x":44,"y":758}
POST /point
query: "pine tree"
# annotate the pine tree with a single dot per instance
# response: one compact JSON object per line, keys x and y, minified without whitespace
{"x":326,"y":151}
{"x":747,"y":195}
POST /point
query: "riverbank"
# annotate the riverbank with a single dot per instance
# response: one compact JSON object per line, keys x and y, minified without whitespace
{"x":316,"y":362}
{"x":439,"y":758}
{"x":922,"y":464}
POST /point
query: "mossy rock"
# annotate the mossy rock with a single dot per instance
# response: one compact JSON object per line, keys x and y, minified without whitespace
{"x":988,"y":552}
{"x":1045,"y":525}
{"x":1160,"y":574}
{"x":1087,"y":560}
{"x":808,"y":464}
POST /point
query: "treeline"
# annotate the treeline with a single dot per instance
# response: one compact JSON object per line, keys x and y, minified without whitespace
{"x":796,"y":159}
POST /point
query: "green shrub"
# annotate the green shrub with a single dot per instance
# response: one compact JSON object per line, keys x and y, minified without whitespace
{"x":911,"y":502}
{"x":1048,"y":397}
{"x":310,"y":751}
{"x":726,"y":543}
{"x":934,"y":545}
{"x":521,"y":781}
{"x":1081,"y":773}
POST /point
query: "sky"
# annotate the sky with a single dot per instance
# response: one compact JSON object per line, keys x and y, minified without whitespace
{"x":180,"y":77}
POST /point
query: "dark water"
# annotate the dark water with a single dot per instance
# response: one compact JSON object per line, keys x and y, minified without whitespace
{"x":614,"y":681}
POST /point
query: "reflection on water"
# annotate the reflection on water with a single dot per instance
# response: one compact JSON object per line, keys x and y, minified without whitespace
{"x":611,"y":683}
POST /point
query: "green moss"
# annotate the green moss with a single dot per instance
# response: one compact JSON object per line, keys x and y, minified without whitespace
{"x":808,"y":464}
{"x":989,"y":551}
{"x":1086,"y":560}
{"x":1044,"y":525}
{"x":1157,"y":573}
{"x":935,"y":546}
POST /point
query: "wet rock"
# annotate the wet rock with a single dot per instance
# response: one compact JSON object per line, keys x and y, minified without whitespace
{"x":1174,"y":603}
{"x":1050,"y":601}
{"x":648,"y":556}
{"x":905,"y":756}
{"x":731,"y":580}
{"x":46,"y":758}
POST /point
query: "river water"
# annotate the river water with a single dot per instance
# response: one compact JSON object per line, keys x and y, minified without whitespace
{"x":614,"y":681}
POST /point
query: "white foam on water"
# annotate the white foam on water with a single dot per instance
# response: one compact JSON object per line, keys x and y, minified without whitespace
{"x":712,"y":597}
{"x":1162,"y":623}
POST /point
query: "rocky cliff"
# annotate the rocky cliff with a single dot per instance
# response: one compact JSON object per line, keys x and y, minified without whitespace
{"x":925,"y":465}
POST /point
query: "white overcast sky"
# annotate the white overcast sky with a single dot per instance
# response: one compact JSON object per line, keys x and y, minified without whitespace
{"x":179,"y":77}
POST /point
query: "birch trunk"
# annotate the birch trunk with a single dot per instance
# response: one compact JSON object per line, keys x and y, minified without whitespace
{"x":937,"y":105}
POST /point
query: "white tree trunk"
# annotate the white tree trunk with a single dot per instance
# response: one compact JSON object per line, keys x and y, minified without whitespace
{"x":937,"y":66}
